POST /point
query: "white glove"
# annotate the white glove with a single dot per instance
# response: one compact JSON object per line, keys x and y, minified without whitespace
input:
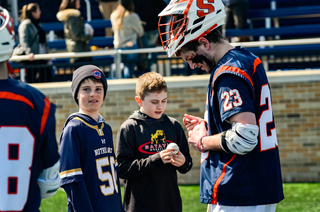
{"x":49,"y":181}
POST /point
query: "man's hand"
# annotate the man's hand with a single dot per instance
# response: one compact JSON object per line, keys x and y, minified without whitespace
{"x":196,"y":135}
{"x":191,"y":121}
{"x":31,"y":57}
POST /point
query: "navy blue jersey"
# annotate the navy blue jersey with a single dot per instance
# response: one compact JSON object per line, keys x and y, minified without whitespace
{"x":27,"y":144}
{"x":239,"y":84}
{"x":89,"y":166}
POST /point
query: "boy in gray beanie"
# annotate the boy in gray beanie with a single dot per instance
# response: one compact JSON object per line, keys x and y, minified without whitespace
{"x":84,"y":72}
{"x":89,"y":168}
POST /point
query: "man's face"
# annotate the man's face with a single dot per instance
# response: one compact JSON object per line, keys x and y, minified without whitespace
{"x":198,"y":59}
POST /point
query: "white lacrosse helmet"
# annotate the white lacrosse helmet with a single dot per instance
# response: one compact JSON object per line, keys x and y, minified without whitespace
{"x":6,"y":35}
{"x":188,"y":20}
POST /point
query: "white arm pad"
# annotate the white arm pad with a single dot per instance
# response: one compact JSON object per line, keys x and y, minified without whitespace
{"x":49,"y":181}
{"x":240,"y":139}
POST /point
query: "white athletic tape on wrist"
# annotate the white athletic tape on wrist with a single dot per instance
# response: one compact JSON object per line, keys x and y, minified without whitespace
{"x":240,"y":139}
{"x":49,"y":181}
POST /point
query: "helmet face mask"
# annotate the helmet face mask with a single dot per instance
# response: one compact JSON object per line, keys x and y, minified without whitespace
{"x":6,"y":35}
{"x":183,"y":21}
{"x":177,"y":29}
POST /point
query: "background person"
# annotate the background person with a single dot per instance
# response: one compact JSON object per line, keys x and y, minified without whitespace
{"x":236,"y":16}
{"x":127,"y":27}
{"x":240,"y":165}
{"x":28,"y":147}
{"x":32,"y":39}
{"x":106,"y":7}
{"x":77,"y":40}
{"x":149,"y":169}
{"x":148,"y":12}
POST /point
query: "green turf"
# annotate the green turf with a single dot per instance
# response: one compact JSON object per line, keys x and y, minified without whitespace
{"x":299,"y":197}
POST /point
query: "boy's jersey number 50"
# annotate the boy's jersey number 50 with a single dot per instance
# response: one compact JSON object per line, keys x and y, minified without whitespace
{"x":111,"y":178}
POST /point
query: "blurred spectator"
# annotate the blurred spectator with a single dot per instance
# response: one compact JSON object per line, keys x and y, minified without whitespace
{"x":148,"y":11}
{"x":32,"y":39}
{"x":49,"y":10}
{"x":106,"y":7}
{"x":77,"y":34}
{"x":236,"y":15}
{"x":127,"y":27}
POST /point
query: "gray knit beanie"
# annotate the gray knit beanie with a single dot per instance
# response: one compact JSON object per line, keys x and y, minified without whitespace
{"x":83,"y":73}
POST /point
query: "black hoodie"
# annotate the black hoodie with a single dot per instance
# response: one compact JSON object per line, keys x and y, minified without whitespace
{"x":150,"y":185}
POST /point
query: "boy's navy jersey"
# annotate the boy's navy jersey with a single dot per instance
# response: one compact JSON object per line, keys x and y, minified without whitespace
{"x":89,"y":166}
{"x":27,"y":144}
{"x":239,"y":84}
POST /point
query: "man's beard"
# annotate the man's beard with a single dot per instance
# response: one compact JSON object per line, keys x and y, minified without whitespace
{"x":202,"y":59}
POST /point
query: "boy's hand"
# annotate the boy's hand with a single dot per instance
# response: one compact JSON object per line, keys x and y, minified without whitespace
{"x":166,"y":155}
{"x":178,"y":159}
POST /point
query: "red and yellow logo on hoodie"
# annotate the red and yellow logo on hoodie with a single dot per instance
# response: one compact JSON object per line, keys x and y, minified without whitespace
{"x":156,"y":144}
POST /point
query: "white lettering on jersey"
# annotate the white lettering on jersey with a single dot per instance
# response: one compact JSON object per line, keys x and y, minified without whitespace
{"x":237,"y":100}
{"x":103,"y":150}
{"x":15,"y":169}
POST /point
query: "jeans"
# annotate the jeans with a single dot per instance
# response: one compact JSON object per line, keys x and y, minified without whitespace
{"x":129,"y":61}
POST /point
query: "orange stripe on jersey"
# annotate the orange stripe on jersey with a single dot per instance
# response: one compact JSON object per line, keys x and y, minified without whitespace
{"x":256,"y":62}
{"x":45,"y":114}
{"x":233,"y":69}
{"x":217,"y":183}
{"x":15,"y":97}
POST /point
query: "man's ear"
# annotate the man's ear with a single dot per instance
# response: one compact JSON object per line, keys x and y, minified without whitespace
{"x":138,"y":100}
{"x":203,"y":41}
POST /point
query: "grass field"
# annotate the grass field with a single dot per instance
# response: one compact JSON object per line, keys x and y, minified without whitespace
{"x":299,"y":197}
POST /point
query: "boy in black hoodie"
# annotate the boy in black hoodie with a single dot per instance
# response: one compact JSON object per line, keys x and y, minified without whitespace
{"x":89,"y":169}
{"x":147,"y":167}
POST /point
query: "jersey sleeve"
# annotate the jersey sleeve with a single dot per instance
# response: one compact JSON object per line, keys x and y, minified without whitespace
{"x":70,"y":167}
{"x":234,"y":96}
{"x":49,"y":148}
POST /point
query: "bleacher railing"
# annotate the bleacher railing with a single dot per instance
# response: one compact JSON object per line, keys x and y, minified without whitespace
{"x":117,"y":53}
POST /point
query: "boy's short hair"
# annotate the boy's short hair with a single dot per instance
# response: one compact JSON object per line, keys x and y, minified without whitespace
{"x":150,"y":82}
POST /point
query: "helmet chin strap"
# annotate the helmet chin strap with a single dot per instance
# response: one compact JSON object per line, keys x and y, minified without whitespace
{"x":11,"y":72}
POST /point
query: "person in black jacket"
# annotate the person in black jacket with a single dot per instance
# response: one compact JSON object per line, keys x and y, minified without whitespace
{"x":77,"y":33}
{"x":147,"y":166}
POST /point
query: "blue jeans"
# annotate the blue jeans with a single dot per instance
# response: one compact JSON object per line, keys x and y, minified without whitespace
{"x":129,"y":61}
